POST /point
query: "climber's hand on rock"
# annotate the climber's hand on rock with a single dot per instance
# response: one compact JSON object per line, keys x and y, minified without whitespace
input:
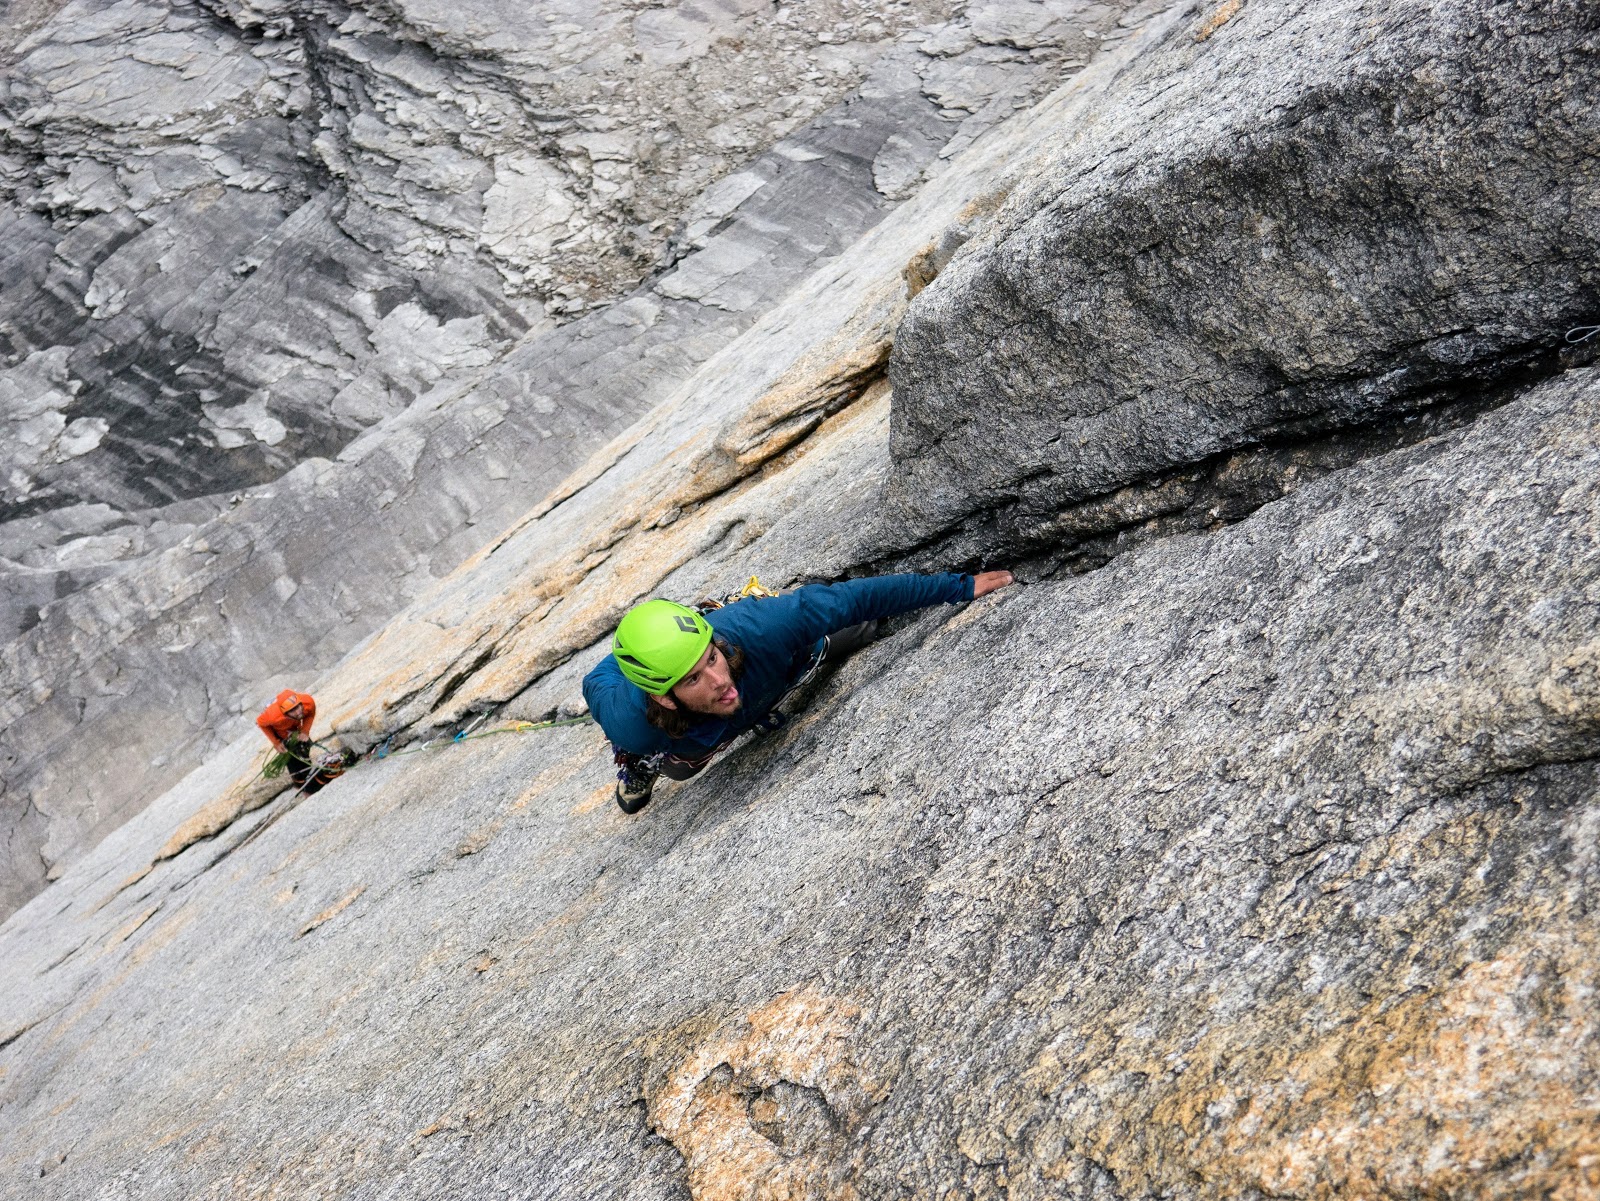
{"x":986,"y":582}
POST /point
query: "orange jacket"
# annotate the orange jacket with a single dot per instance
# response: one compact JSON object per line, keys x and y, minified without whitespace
{"x":277,"y":725}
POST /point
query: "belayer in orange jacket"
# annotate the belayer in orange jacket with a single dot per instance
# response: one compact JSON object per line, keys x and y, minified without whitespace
{"x":287,"y":724}
{"x":288,"y":719}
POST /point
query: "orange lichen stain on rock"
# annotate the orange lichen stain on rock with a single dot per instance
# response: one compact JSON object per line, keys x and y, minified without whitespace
{"x":921,"y":270}
{"x":64,"y":1106}
{"x":431,"y":1130}
{"x":1224,"y":13}
{"x":1481,"y":1086}
{"x":718,"y":1107}
{"x":440,"y":954}
{"x":333,"y":910}
{"x":923,"y":267}
{"x":479,"y":839}
{"x":166,"y":1140}
{"x":597,"y":799}
{"x":1421,"y":1097}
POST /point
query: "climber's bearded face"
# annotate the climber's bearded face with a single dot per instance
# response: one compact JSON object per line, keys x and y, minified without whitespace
{"x":709,"y":687}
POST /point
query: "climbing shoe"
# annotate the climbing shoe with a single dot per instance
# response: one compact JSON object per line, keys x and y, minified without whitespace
{"x":633,"y":790}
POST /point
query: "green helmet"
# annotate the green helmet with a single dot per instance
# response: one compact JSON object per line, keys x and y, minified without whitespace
{"x":658,"y":643}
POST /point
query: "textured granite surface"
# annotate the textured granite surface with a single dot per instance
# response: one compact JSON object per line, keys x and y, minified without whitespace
{"x":1244,"y":848}
{"x":1255,"y":863}
{"x":1313,"y":214}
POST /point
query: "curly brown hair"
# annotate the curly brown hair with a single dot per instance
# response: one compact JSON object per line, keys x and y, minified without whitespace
{"x":675,"y":723}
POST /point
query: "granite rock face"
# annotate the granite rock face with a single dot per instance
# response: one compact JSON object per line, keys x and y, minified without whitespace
{"x":1244,"y":848}
{"x":242,"y":274}
{"x":1234,"y":252}
{"x":1274,"y":880}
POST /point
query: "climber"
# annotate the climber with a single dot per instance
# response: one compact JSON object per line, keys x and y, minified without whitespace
{"x":287,"y":724}
{"x":680,"y":685}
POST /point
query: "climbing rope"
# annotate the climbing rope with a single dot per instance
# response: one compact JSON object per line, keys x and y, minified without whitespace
{"x":277,"y":763}
{"x":1583,"y":332}
{"x":338,"y":762}
{"x":382,"y":751}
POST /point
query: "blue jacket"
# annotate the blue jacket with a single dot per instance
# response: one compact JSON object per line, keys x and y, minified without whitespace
{"x":780,"y":637}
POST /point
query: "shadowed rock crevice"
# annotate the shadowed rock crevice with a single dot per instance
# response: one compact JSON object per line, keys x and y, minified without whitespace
{"x":1026,"y":529}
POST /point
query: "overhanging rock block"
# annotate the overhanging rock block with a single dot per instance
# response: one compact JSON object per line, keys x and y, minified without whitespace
{"x":1288,"y":221}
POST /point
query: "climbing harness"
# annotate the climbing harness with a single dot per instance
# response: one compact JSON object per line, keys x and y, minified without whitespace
{"x":278,"y":763}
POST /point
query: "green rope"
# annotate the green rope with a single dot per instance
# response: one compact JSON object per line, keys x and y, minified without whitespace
{"x":277,"y":764}
{"x":524,"y":727}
